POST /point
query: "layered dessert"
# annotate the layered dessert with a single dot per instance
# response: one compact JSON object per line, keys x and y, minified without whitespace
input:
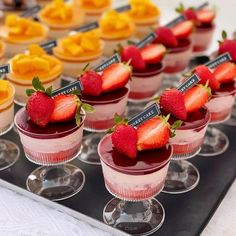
{"x":147,"y":70}
{"x":116,"y":28}
{"x":78,"y":50}
{"x":108,"y":93}
{"x":93,"y":9}
{"x":7,"y":92}
{"x":61,"y":17}
{"x":178,"y":44}
{"x":35,"y":62}
{"x":18,"y":33}
{"x":146,"y":15}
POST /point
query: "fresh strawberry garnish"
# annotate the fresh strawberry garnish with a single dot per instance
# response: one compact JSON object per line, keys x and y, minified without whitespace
{"x":115,"y":76}
{"x":189,"y":14}
{"x":40,"y":104}
{"x":155,"y":133}
{"x":183,"y":29}
{"x":227,"y":45}
{"x":124,"y":137}
{"x":92,"y":83}
{"x":205,"y":74}
{"x":225,"y":72}
{"x":205,"y":16}
{"x":196,"y":97}
{"x":166,"y":37}
{"x":132,"y":53}
{"x":172,"y":101}
{"x":153,"y":53}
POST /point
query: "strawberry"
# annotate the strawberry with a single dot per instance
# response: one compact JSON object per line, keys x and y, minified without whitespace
{"x":183,"y":29}
{"x":196,"y":97}
{"x":92,"y":83}
{"x":166,"y":37}
{"x":153,"y":53}
{"x":115,"y":76}
{"x":40,"y":104}
{"x":225,"y":72}
{"x":227,"y":46}
{"x":133,"y":54}
{"x":190,"y":14}
{"x":172,"y":100}
{"x":205,"y":75}
{"x":205,"y":16}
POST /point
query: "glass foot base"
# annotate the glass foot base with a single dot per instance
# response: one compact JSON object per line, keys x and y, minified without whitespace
{"x":232,"y":120}
{"x":135,"y":218}
{"x":9,"y":154}
{"x":22,"y":104}
{"x":56,"y":182}
{"x":215,"y":143}
{"x":89,"y":153}
{"x":182,"y":177}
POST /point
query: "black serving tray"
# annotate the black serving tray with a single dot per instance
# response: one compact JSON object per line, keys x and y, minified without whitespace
{"x":186,"y":214}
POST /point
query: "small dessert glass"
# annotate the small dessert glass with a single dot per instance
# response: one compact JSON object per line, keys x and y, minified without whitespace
{"x":52,"y":148}
{"x":134,"y":183}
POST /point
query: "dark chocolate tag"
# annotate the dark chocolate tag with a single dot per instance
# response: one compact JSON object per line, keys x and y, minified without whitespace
{"x":123,"y":8}
{"x":31,"y":11}
{"x":148,"y":39}
{"x":219,"y":60}
{"x":147,"y":114}
{"x":205,"y":4}
{"x":175,"y":21}
{"x":68,"y":88}
{"x":87,"y":27}
{"x":4,"y":69}
{"x":48,"y":46}
{"x":189,"y":83}
{"x":114,"y":59}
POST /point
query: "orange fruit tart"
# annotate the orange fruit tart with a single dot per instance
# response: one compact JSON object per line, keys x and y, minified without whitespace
{"x":61,"y":17}
{"x":35,"y":62}
{"x":18,"y":33}
{"x":79,"y":49}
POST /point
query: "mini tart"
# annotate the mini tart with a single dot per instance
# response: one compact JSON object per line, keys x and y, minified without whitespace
{"x":49,"y":71}
{"x":61,"y":18}
{"x":74,"y":64}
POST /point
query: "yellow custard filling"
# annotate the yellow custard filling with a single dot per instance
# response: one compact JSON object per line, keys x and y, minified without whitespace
{"x":80,"y":46}
{"x":94,"y":4}
{"x":60,"y":14}
{"x":143,"y":10}
{"x":17,"y":29}
{"x":34,"y":63}
{"x":6,"y":91}
{"x":114,"y":25}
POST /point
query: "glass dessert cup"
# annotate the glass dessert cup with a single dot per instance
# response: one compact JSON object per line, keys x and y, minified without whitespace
{"x":134,"y":183}
{"x":102,"y":119}
{"x":232,"y":120}
{"x":182,"y":176}
{"x":9,"y":151}
{"x":220,"y":107}
{"x":52,"y":147}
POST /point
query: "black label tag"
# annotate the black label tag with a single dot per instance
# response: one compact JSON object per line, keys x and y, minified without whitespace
{"x":4,"y":69}
{"x":114,"y":59}
{"x":219,"y":60}
{"x":147,"y":114}
{"x":31,"y":11}
{"x":205,"y":4}
{"x":68,"y":88}
{"x":189,"y":83}
{"x":87,"y":27}
{"x":123,"y":8}
{"x":48,"y":46}
{"x":175,"y":21}
{"x":148,"y":39}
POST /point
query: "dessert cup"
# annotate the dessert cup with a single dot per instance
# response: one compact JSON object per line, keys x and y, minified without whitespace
{"x":182,"y":176}
{"x":52,"y":147}
{"x":9,"y":151}
{"x":220,"y":107}
{"x":105,"y":107}
{"x":134,"y":183}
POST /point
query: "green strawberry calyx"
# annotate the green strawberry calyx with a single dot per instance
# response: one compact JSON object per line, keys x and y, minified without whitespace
{"x":118,"y":120}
